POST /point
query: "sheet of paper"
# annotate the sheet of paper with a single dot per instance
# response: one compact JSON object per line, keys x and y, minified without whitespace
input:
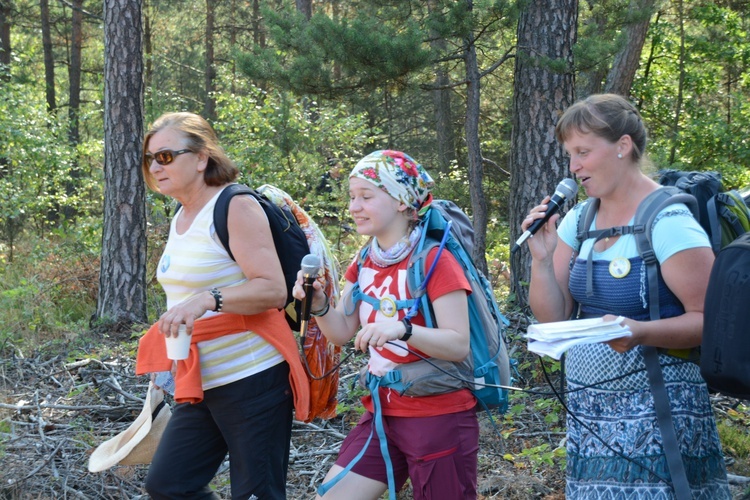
{"x":553,"y":339}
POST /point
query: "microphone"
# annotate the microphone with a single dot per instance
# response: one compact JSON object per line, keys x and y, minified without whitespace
{"x":566,"y":189}
{"x":310,"y":269}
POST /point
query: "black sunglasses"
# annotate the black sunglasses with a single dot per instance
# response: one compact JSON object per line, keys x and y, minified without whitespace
{"x":165,"y":156}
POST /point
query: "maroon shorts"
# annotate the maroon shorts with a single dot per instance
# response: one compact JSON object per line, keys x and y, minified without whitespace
{"x":439,"y":454}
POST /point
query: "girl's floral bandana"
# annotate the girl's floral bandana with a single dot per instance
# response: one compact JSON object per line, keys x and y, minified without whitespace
{"x":397,"y":174}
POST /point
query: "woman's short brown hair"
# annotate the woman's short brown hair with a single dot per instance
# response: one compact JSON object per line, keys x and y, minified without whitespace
{"x":609,"y":116}
{"x":199,"y":136}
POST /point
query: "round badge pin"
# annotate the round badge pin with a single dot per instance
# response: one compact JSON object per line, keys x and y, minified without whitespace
{"x":619,"y":267}
{"x":388,"y":307}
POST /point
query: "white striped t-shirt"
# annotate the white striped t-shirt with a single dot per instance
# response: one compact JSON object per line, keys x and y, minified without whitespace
{"x":194,"y":262}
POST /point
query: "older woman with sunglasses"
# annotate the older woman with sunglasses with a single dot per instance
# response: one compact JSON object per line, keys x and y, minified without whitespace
{"x":233,"y":392}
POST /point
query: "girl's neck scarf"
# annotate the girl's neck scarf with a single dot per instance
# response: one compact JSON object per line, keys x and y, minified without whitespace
{"x":396,"y":253}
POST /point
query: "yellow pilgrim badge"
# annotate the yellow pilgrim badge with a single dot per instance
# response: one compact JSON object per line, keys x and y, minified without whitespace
{"x":619,"y":267}
{"x":388,"y":307}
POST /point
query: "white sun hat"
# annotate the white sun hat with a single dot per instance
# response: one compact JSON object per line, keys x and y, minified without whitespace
{"x":137,"y":443}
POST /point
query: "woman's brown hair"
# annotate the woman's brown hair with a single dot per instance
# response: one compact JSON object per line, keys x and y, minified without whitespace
{"x":199,"y":136}
{"x":609,"y":116}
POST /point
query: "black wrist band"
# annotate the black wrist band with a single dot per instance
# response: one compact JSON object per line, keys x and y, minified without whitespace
{"x":407,"y":325}
{"x":324,"y":310}
{"x":218,"y":298}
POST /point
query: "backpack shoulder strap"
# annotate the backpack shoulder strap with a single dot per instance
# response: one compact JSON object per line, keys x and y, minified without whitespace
{"x":585,"y":219}
{"x":221,"y":211}
{"x":645,"y":216}
{"x":387,"y":306}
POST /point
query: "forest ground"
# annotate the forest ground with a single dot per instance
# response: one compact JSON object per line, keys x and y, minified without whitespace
{"x":57,"y":405}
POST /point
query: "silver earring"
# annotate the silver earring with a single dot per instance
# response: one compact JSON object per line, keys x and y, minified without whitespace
{"x":619,"y":155}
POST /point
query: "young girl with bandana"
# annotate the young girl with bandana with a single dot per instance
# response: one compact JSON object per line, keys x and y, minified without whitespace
{"x":433,"y":440}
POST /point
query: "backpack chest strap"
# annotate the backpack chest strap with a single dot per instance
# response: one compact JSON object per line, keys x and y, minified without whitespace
{"x":599,"y":235}
{"x":386,"y":305}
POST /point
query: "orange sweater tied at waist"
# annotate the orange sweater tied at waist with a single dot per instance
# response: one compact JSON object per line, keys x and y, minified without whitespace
{"x":270,"y":325}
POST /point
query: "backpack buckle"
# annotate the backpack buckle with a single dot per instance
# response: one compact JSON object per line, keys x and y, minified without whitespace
{"x":649,"y":256}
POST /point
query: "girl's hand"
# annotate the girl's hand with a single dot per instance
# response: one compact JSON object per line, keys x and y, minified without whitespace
{"x":319,"y":296}
{"x":377,"y":334}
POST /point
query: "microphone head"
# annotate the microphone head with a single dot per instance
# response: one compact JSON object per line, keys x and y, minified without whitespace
{"x":310,"y":264}
{"x":567,"y":188}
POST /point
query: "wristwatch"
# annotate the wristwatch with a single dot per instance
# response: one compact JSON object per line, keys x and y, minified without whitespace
{"x":407,"y":325}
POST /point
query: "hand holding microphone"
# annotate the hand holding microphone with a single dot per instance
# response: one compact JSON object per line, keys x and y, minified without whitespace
{"x":565,"y":190}
{"x":310,"y":269}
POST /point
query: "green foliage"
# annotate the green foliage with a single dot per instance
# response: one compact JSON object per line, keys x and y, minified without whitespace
{"x":36,"y":165}
{"x":544,"y":455}
{"x":48,"y":292}
{"x":734,"y":433}
{"x":713,"y":111}
{"x":369,"y":53}
{"x":277,"y":139}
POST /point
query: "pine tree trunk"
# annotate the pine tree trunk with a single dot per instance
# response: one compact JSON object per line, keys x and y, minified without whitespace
{"x":441,"y":99}
{"x":74,"y":70}
{"x":474,"y":150}
{"x":304,"y":7}
{"x":209,"y":109}
{"x":546,"y":34}
{"x":122,"y":283}
{"x":5,"y":40}
{"x":622,"y":73}
{"x":49,"y":61}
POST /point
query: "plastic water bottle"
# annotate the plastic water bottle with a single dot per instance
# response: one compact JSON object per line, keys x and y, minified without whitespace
{"x":165,"y":381}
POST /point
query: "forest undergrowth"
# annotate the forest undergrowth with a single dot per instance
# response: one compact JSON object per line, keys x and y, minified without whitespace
{"x":60,"y":400}
{"x":66,"y":386}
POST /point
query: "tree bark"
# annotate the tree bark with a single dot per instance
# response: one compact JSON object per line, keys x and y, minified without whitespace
{"x":49,"y":61}
{"x":74,"y":70}
{"x":474,"y":149}
{"x":122,"y":282}
{"x":622,"y":73}
{"x":5,"y":40}
{"x":546,"y":34}
{"x":675,"y":132}
{"x":148,"y":80}
{"x":209,"y":109}
{"x":591,"y":79}
{"x":441,"y":98}
{"x":304,"y":7}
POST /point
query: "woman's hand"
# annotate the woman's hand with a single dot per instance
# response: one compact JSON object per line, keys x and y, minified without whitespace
{"x":185,"y":313}
{"x":543,"y":243}
{"x":624,"y":344}
{"x":377,"y":334}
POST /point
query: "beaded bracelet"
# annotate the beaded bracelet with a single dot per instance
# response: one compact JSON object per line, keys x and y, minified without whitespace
{"x":325,"y":309}
{"x":218,"y":298}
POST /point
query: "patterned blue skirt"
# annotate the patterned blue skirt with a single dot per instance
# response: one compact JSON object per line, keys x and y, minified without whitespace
{"x":614,"y":447}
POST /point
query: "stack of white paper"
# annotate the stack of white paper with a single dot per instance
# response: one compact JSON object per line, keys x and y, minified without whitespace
{"x":553,"y":339}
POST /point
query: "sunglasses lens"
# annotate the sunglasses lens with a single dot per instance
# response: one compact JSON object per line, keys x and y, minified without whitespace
{"x":164,"y":157}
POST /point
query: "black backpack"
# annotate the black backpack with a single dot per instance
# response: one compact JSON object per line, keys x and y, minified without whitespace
{"x":725,"y":351}
{"x":723,"y":213}
{"x":288,"y":237}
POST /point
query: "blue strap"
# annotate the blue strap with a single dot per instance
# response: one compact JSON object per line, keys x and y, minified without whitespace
{"x":323,"y":488}
{"x":358,"y":295}
{"x":373,"y":383}
{"x":422,"y":288}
